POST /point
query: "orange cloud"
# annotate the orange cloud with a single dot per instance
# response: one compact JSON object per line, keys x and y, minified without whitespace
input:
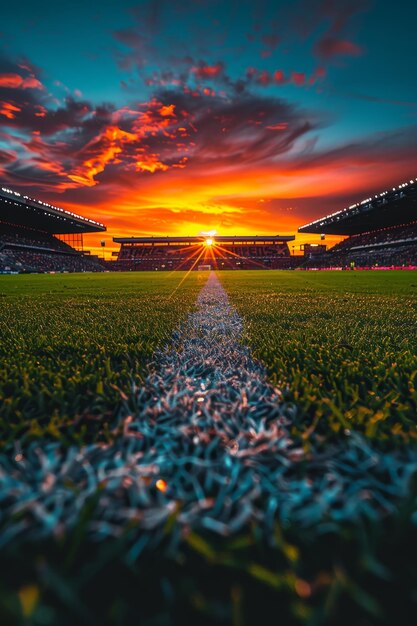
{"x":167,"y":111}
{"x":107,"y":146}
{"x":11,"y":81}
{"x":15,"y":81}
{"x":9,"y":110}
{"x":150,"y":163}
{"x":156,"y":122}
{"x":31,"y":83}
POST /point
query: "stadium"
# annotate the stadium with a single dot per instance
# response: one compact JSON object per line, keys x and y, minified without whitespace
{"x":38,"y":237}
{"x":381,"y":231}
{"x":210,"y":252}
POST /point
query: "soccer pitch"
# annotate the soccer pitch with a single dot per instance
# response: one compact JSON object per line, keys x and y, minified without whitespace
{"x":342,"y":345}
{"x":72,"y":345}
{"x":290,"y":485}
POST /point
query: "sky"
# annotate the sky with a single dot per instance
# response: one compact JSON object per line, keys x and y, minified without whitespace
{"x":173,"y":118}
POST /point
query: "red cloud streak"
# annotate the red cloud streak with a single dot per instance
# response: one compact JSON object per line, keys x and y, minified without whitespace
{"x":15,"y":81}
{"x":331,"y":46}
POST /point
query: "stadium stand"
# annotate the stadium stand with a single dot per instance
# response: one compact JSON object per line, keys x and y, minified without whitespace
{"x":186,"y":253}
{"x":28,"y":237}
{"x":382,"y":232}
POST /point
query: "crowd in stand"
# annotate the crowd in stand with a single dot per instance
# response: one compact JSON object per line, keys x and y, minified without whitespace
{"x":396,"y":246}
{"x":29,"y":261}
{"x":24,"y":250}
{"x":380,"y":238}
{"x":32,"y":239}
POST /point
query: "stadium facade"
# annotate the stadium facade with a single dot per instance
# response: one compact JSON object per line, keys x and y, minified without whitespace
{"x":214,"y":252}
{"x":381,"y":230}
{"x":36,"y":236}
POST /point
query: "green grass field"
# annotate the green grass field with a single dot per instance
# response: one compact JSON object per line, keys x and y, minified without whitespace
{"x":341,"y":346}
{"x":72,"y":346}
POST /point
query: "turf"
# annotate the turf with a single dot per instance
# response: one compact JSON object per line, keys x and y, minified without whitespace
{"x":342,"y":347}
{"x":72,"y":345}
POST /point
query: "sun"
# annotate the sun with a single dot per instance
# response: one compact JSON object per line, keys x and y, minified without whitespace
{"x":209,"y":241}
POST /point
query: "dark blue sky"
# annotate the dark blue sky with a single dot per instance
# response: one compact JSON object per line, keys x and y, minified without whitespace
{"x":298,"y":108}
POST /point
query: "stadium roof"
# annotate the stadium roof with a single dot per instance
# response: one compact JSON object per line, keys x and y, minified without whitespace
{"x":389,"y":208}
{"x":201,"y":238}
{"x":24,"y":211}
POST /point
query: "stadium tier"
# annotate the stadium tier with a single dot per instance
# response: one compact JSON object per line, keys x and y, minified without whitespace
{"x":29,"y":231}
{"x":382,"y":231}
{"x":388,"y":208}
{"x":219,"y":252}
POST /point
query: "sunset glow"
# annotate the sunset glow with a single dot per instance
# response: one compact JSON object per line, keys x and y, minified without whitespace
{"x":180,"y":119}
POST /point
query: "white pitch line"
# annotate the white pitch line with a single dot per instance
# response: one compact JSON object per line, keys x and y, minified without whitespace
{"x":209,"y":443}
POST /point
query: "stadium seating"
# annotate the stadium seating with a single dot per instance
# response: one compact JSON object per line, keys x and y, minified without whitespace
{"x":161,"y":253}
{"x":28,"y":250}
{"x":395,"y":246}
